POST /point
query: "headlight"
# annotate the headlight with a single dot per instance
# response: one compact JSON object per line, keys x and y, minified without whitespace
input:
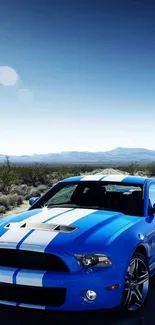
{"x":93,"y":260}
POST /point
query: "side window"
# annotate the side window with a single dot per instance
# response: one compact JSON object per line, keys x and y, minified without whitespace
{"x":151,"y":195}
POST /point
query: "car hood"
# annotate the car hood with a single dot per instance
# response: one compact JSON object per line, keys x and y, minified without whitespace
{"x":73,"y":230}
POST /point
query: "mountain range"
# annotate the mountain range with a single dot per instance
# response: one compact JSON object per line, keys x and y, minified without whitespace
{"x":115,"y":156}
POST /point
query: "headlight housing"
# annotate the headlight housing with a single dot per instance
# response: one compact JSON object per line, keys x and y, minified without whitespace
{"x":98,"y":260}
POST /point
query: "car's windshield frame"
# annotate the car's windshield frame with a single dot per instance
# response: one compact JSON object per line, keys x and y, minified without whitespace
{"x":41,"y":202}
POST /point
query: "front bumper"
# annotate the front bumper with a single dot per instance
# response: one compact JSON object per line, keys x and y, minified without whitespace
{"x":76,"y":284}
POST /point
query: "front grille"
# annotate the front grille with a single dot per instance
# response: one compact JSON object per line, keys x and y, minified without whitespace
{"x":31,"y":260}
{"x":32,"y":295}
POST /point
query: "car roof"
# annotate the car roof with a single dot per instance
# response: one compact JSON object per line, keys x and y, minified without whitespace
{"x":124,"y":179}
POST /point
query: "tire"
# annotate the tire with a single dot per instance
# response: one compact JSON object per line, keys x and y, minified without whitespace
{"x":137,"y":285}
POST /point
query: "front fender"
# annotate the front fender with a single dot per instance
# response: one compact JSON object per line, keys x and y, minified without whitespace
{"x":123,"y":246}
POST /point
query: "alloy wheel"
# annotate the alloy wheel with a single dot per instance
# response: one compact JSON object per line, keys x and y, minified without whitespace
{"x":136,"y":284}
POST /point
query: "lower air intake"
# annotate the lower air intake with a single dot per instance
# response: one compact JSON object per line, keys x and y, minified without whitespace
{"x":32,"y":295}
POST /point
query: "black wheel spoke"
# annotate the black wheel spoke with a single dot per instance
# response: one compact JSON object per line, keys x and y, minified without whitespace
{"x":138,"y":296}
{"x":131,"y":267}
{"x":136,"y":265}
{"x":129,"y":297}
{"x":143,"y":278}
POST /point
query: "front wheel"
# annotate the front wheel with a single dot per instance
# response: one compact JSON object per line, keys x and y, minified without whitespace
{"x":137,"y":284}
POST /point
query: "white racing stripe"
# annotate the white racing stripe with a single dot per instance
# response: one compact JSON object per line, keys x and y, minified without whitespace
{"x":91,"y":178}
{"x":110,"y":178}
{"x":38,"y":240}
{"x":71,"y":216}
{"x":6,"y":274}
{"x":46,"y":214}
{"x":13,"y":236}
{"x":30,"y":278}
{"x":113,"y":178}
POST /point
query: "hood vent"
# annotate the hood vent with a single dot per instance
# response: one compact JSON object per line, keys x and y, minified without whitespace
{"x":41,"y":226}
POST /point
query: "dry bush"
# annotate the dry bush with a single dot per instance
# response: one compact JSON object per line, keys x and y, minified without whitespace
{"x":4,"y":201}
{"x":20,"y":200}
{"x":22,"y":190}
{"x":151,"y":170}
{"x":11,"y":200}
{"x":34,"y":192}
{"x":42,"y":188}
{"x":2,"y":209}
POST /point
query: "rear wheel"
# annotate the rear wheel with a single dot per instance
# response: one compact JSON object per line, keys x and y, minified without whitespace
{"x":137,"y":284}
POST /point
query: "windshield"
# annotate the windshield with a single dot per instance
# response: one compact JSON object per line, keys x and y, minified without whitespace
{"x":105,"y":196}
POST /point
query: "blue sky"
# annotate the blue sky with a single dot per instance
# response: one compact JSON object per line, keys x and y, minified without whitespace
{"x":76,"y":75}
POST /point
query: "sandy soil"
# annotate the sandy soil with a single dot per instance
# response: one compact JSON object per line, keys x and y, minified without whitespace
{"x":106,"y":171}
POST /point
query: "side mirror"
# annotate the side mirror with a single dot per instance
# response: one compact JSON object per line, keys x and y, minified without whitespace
{"x":151,"y":210}
{"x":32,"y":200}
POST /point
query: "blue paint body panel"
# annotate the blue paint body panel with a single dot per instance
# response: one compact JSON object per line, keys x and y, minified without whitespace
{"x":97,"y":232}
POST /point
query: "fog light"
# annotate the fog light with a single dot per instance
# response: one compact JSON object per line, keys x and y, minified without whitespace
{"x":91,"y":295}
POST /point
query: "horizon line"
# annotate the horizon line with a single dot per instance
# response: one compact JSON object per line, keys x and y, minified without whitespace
{"x":71,"y":151}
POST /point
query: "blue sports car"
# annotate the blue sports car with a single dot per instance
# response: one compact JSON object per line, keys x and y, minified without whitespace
{"x":88,"y":243}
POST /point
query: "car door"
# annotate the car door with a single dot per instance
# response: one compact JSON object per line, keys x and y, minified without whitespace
{"x":151,"y":202}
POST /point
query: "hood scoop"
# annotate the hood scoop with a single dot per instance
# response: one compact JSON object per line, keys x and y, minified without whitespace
{"x":41,"y":226}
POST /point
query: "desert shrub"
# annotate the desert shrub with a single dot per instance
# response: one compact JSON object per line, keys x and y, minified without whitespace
{"x":4,"y":201}
{"x":8,"y":176}
{"x":28,"y":196}
{"x":34,"y":175}
{"x":151,"y":169}
{"x":22,"y":189}
{"x":42,"y":188}
{"x":131,"y":168}
{"x":33,"y":192}
{"x":2,"y":209}
{"x":52,"y":182}
{"x":20,"y":200}
{"x":11,"y":200}
{"x":14,"y":189}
